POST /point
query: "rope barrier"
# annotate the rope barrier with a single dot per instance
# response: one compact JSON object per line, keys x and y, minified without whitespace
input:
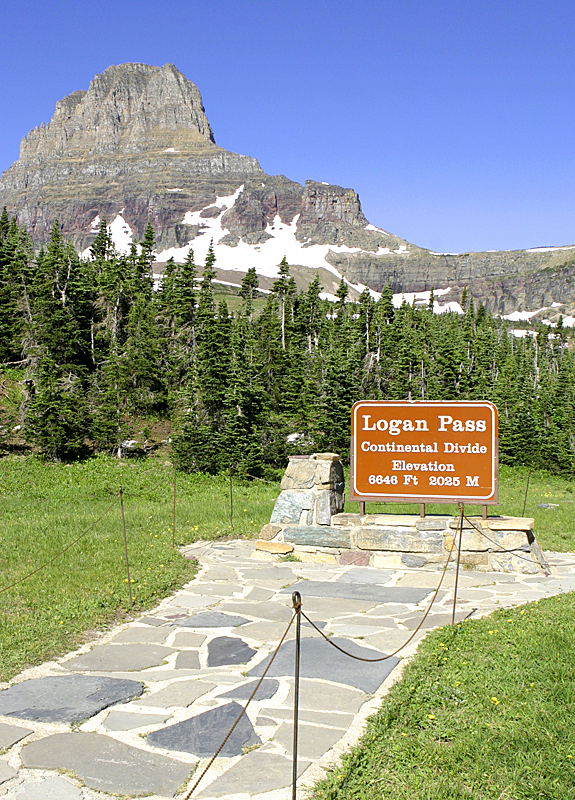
{"x":514,"y":552}
{"x":47,"y":563}
{"x":244,"y":709}
{"x":500,"y":548}
{"x":399,"y":649}
{"x":298,"y":613}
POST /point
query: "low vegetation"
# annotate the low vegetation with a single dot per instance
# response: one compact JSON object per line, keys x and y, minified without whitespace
{"x":46,"y":506}
{"x":484,"y":711}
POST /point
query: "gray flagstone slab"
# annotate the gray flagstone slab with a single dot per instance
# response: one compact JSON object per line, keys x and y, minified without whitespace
{"x":143,"y":635}
{"x":270,"y":611}
{"x":66,"y":698}
{"x":313,"y":741}
{"x":188,"y":639}
{"x":325,"y":697}
{"x":266,"y":690}
{"x":366,"y":575}
{"x":10,"y":734}
{"x":203,"y":734}
{"x":179,"y":693}
{"x":229,"y":650}
{"x":53,"y":787}
{"x":120,"y":658}
{"x":212,"y":619}
{"x":358,"y":591}
{"x":328,"y":719}
{"x":127,"y":721}
{"x":188,"y":659}
{"x":6,"y":771}
{"x":255,"y":773}
{"x":106,"y":764}
{"x":320,"y":660}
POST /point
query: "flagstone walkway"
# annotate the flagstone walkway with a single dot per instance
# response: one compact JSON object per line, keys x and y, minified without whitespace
{"x":138,"y":711}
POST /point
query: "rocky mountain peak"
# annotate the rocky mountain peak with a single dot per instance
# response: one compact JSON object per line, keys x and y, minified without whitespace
{"x":130,"y":108}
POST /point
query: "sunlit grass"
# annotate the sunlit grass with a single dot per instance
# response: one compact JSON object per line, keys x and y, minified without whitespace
{"x":486,"y":710}
{"x":46,"y":506}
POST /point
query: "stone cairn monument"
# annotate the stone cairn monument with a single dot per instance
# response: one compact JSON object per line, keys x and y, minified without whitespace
{"x":308,"y":520}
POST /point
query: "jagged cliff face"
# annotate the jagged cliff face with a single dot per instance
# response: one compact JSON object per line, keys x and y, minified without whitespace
{"x":138,"y":145}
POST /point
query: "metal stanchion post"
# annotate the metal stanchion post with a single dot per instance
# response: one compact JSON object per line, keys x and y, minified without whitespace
{"x":461,"y":513}
{"x":126,"y":545}
{"x":174,"y":515}
{"x":296,"y":600}
{"x":526,"y":490}
{"x":231,"y":500}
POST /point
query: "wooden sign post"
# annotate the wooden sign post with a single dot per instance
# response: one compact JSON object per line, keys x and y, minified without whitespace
{"x":440,"y":452}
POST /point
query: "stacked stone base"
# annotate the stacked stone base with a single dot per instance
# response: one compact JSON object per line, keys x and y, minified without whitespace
{"x":502,"y":544}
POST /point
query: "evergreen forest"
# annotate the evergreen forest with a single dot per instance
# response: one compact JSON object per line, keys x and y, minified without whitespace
{"x":96,"y":351}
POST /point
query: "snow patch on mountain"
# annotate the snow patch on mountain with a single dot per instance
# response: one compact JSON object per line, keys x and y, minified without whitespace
{"x":265,"y":257}
{"x":547,"y":249}
{"x":122,"y":234}
{"x":519,"y":316}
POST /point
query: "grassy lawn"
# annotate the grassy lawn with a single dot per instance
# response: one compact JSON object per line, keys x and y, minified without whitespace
{"x":485,"y":711}
{"x":46,"y":506}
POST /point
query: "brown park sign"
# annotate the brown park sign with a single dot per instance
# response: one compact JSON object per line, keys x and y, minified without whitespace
{"x":424,"y":452}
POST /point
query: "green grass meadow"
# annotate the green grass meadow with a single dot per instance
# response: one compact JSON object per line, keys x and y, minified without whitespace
{"x":45,"y":506}
{"x":484,"y":711}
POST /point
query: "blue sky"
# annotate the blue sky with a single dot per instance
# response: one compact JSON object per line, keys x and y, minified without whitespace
{"x":452,"y":119}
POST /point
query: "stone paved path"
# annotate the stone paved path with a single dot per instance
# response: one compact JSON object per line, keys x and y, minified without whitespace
{"x":136,"y":712}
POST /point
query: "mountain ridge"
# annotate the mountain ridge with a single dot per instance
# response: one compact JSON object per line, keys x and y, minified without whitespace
{"x":138,"y":145}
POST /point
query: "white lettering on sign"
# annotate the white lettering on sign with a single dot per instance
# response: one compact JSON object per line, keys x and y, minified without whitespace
{"x":459,"y":425}
{"x":452,"y":447}
{"x":394,"y":426}
{"x":417,"y":449}
{"x":393,"y":447}
{"x":430,"y":466}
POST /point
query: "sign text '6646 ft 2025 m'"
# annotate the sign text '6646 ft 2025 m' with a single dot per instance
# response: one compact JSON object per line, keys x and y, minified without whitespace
{"x":424,"y":451}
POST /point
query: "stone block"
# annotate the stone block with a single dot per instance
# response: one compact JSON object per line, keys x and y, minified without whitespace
{"x":300,"y":474}
{"x":478,"y":522}
{"x":318,"y":536}
{"x":508,"y":539}
{"x":387,"y":561}
{"x":269,"y":531}
{"x":325,"y":457}
{"x":403,"y":540}
{"x":290,"y":504}
{"x":317,"y":558}
{"x":508,"y":562}
{"x":356,"y":557}
{"x":329,"y":475}
{"x":325,"y":505}
{"x":473,"y":559}
{"x":280,"y":548}
{"x":432,"y":524}
{"x":345,"y":520}
{"x":472,"y":540}
{"x":412,"y":560}
{"x":391,"y":520}
{"x":511,"y":523}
